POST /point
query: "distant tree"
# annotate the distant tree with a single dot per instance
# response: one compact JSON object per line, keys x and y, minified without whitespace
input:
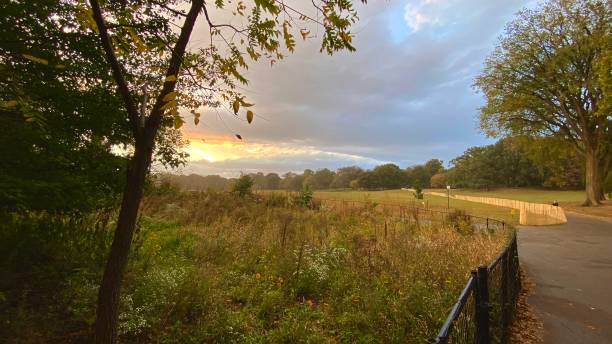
{"x":292,"y":181}
{"x":194,"y":182}
{"x":434,"y":166}
{"x":438,"y":180}
{"x":321,"y":179}
{"x":501,"y":164}
{"x":344,"y":176}
{"x":272,"y":181}
{"x":243,"y":186}
{"x":387,"y":176}
{"x":259,"y":180}
{"x":548,"y":77}
{"x":418,"y":176}
{"x":368,"y":180}
{"x":557,"y":162}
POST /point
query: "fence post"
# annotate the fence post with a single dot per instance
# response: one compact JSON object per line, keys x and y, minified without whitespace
{"x":482,"y":306}
{"x":504,"y":296}
{"x":487,"y":223}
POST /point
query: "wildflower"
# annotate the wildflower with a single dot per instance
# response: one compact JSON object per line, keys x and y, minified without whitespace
{"x":258,"y":275}
{"x":309,"y":303}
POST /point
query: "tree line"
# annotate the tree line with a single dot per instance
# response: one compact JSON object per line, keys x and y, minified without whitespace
{"x":510,"y":162}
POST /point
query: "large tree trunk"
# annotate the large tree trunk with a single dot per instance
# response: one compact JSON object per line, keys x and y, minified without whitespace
{"x":592,"y":180}
{"x":108,"y":294}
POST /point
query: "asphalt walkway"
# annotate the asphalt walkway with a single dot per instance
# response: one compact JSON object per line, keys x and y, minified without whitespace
{"x":571,"y":265}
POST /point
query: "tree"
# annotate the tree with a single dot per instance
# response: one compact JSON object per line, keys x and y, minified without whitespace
{"x":321,"y":179}
{"x":272,"y":181}
{"x":54,"y":142}
{"x":344,"y":176}
{"x":434,"y":166}
{"x":438,"y":180}
{"x":504,"y":163}
{"x":545,"y":79}
{"x":292,"y":181}
{"x":243,"y":186}
{"x":387,"y":176}
{"x":418,"y":176}
{"x":142,"y":50}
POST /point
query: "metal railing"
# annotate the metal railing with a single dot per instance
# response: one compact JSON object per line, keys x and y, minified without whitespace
{"x":485,"y":308}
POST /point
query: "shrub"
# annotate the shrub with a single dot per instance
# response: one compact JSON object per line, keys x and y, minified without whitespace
{"x":243,"y":186}
{"x":460,"y":220}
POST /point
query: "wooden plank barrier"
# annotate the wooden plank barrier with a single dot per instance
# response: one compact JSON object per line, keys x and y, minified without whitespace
{"x":531,"y":214}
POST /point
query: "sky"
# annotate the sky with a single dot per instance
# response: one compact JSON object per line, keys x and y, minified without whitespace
{"x":405,"y":96}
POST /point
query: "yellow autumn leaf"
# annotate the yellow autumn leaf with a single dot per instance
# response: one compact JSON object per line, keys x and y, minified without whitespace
{"x":36,"y":59}
{"x":9,"y":103}
{"x":169,"y":96}
{"x":60,"y":66}
{"x":168,"y":105}
{"x":304,"y":33}
{"x":249,"y":116}
{"x":178,"y":122}
{"x":170,"y":78}
{"x":196,"y":120}
{"x":236,"y":106}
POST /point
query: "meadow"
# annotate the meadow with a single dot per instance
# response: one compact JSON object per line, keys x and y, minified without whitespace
{"x":406,"y":197}
{"x":215,"y":267}
{"x":570,"y":200}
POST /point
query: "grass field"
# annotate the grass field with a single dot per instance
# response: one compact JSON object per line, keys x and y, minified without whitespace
{"x":429,"y":201}
{"x":216,"y":268}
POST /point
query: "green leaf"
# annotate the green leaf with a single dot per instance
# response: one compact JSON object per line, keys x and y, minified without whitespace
{"x":36,"y":59}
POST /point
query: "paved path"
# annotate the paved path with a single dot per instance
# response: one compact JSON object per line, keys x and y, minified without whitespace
{"x":571,"y":265}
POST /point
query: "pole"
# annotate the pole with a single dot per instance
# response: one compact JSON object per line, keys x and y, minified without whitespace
{"x":482,"y":307}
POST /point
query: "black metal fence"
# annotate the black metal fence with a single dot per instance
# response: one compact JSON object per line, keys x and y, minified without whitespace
{"x":484,"y":310}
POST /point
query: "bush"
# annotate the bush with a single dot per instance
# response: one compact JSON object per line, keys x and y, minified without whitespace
{"x":461,"y":221}
{"x":243,"y":186}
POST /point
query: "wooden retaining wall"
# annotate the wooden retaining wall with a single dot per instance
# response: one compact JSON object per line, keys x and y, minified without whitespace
{"x":534,"y":214}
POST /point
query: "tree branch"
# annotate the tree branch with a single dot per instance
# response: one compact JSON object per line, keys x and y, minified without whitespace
{"x":122,"y":85}
{"x":174,"y":67}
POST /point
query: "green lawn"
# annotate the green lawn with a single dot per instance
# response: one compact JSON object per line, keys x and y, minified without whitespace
{"x":406,"y":197}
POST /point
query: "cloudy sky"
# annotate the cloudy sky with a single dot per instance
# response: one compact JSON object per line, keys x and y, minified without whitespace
{"x":405,"y":96}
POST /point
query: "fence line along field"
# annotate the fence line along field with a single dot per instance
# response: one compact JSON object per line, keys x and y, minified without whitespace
{"x":216,"y":267}
{"x":406,"y":197}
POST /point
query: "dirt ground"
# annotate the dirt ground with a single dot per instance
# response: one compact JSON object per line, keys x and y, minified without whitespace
{"x":605,"y":210}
